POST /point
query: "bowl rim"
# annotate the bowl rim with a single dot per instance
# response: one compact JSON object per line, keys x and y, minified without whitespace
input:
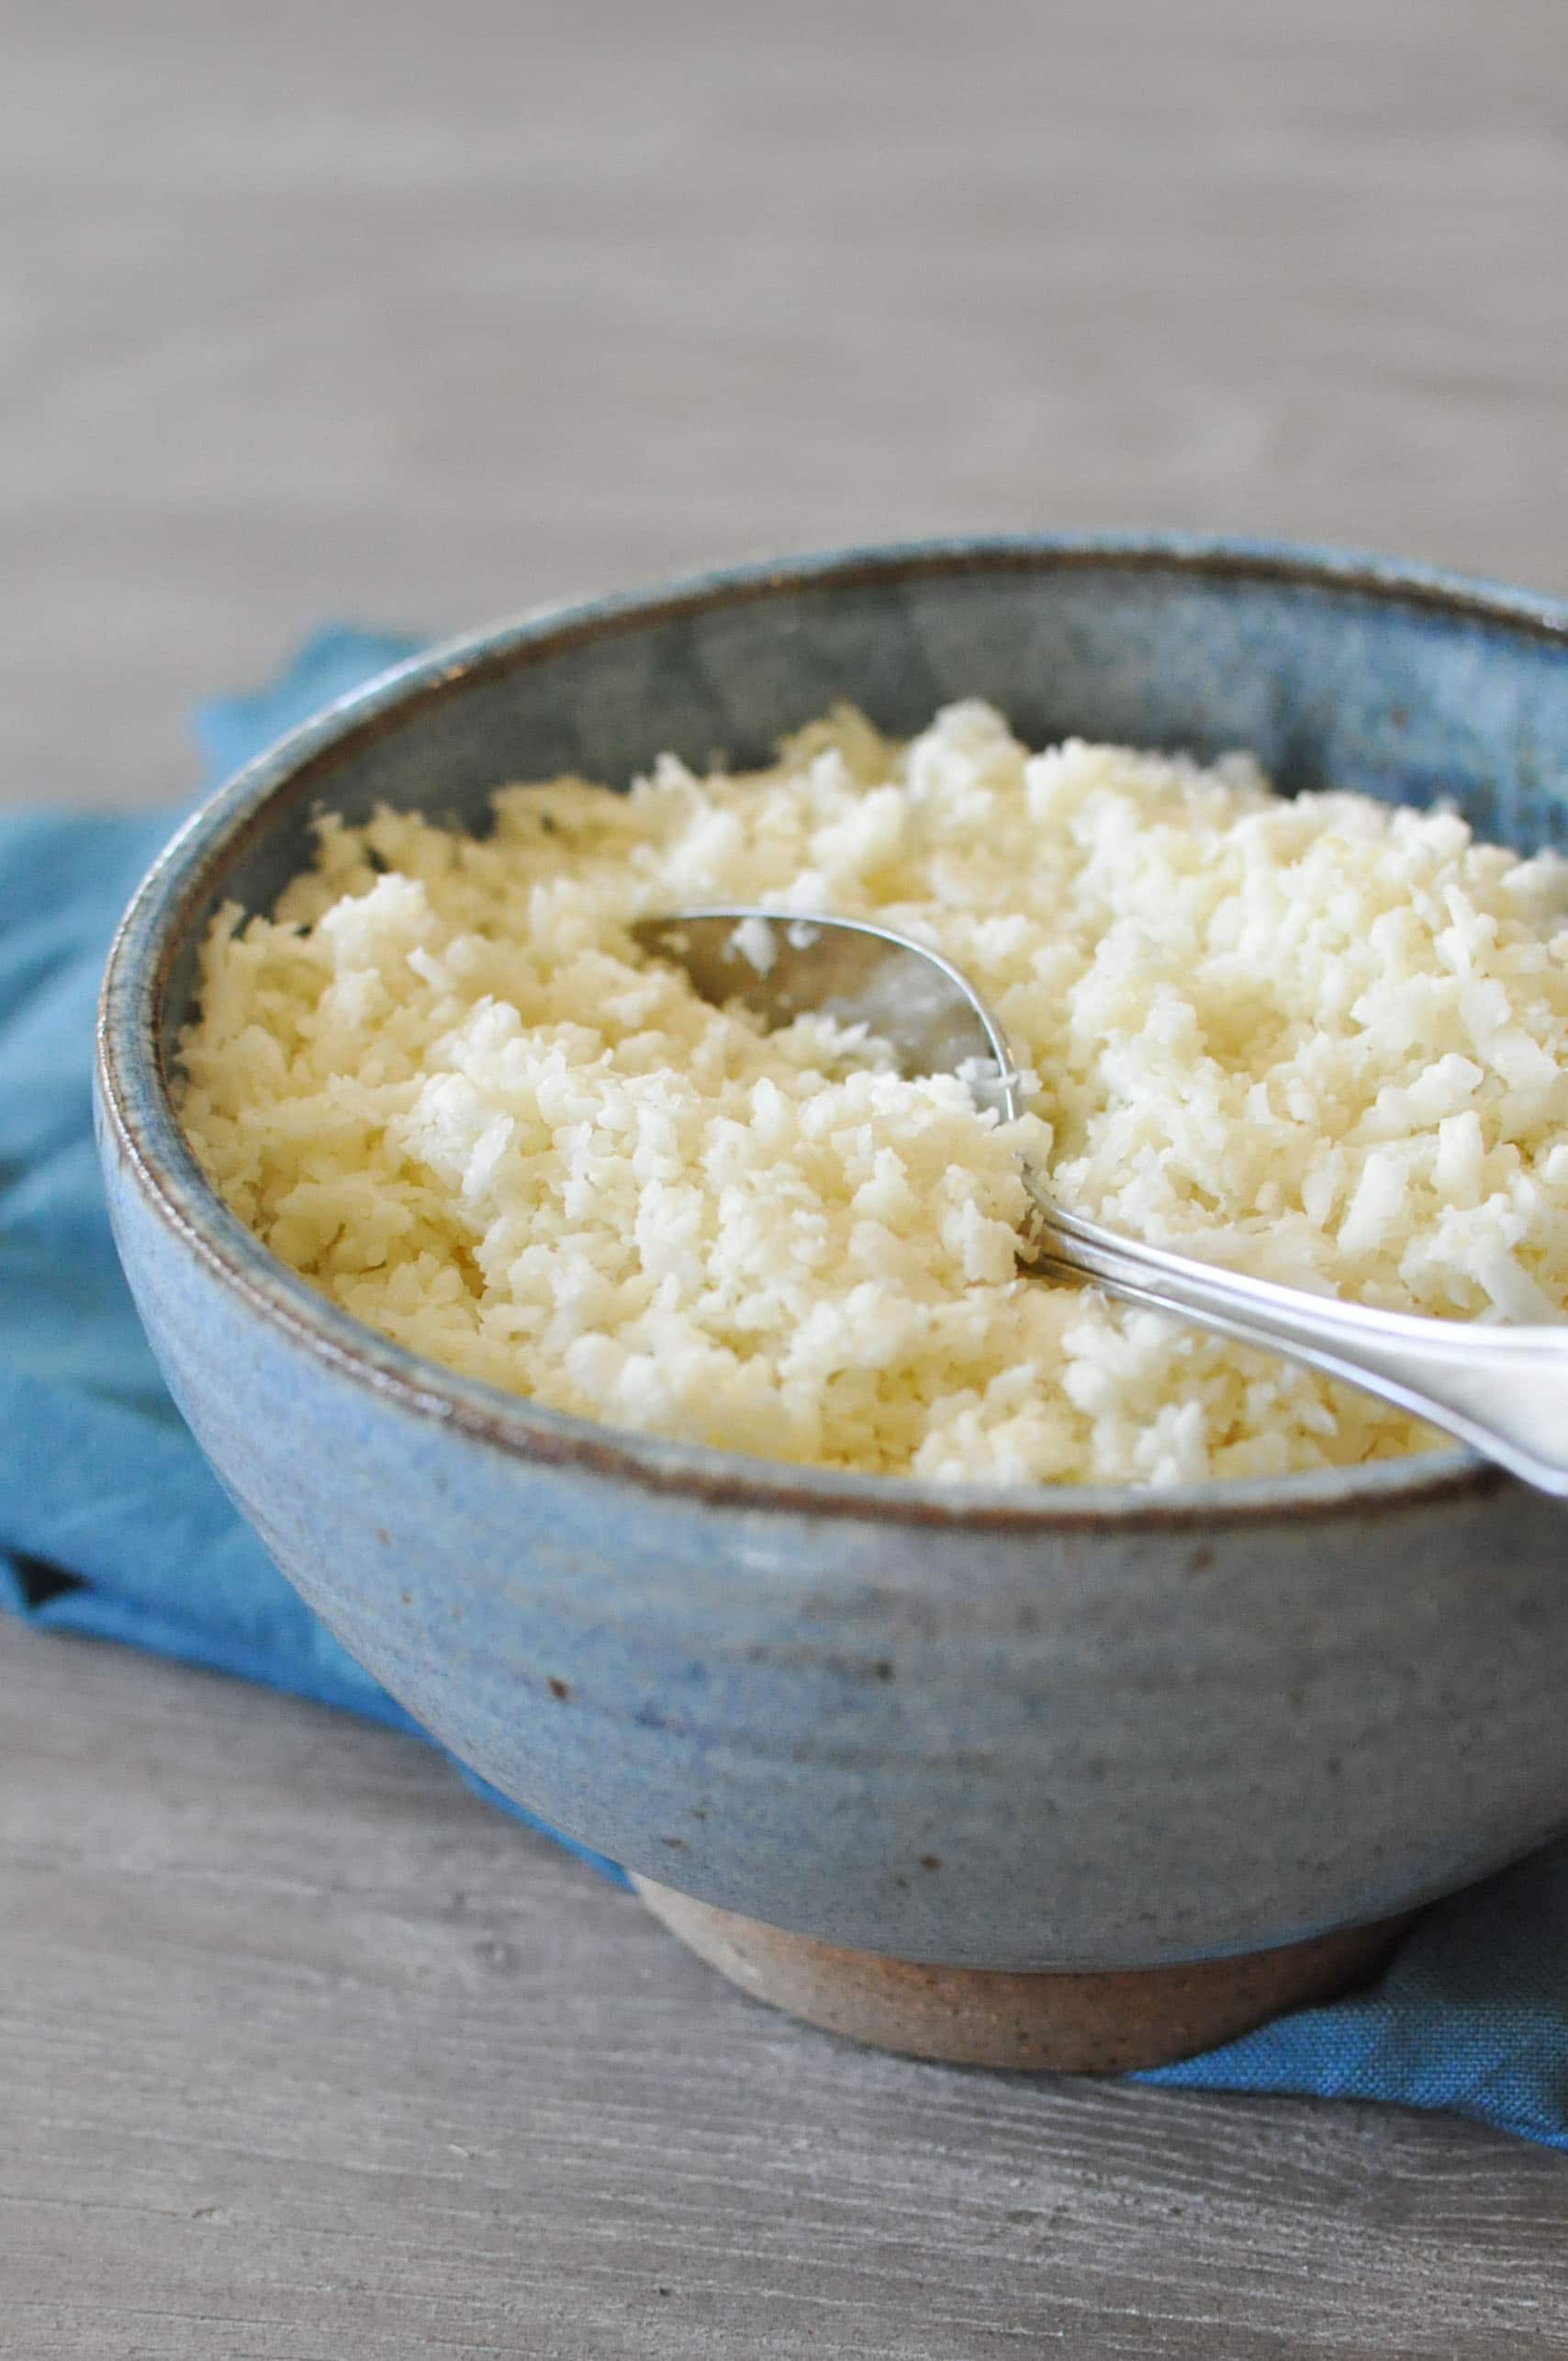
{"x":141,"y":1125}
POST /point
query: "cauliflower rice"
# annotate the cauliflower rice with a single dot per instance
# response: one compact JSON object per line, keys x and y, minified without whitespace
{"x":1321,"y":1040}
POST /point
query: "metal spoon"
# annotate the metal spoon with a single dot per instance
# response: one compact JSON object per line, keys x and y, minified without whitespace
{"x":1502,"y":1390}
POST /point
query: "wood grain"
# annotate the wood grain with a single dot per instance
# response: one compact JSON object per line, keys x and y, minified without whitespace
{"x":308,"y":2056}
{"x":420,"y":315}
{"x":427,"y":314}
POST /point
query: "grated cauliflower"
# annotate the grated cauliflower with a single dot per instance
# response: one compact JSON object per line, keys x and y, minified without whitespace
{"x":1321,"y":1040}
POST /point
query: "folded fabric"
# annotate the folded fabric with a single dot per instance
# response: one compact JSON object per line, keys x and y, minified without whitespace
{"x":111,"y":1522}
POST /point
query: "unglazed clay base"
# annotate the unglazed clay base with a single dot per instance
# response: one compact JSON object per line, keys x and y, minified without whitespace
{"x":1091,"y":2024}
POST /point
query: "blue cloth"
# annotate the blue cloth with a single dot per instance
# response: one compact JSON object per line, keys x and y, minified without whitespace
{"x":111,"y":1523}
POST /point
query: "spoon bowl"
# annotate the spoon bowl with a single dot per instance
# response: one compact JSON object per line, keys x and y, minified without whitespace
{"x":905,"y":994}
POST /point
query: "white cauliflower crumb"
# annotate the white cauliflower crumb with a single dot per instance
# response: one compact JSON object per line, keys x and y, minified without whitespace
{"x":753,"y":942}
{"x":1322,"y":1040}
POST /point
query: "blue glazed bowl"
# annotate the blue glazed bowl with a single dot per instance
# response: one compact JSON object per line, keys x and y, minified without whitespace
{"x":1007,"y":1730}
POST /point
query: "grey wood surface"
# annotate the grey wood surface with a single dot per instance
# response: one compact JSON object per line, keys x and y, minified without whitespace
{"x":420,"y":315}
{"x":307,"y":2056}
{"x":428,"y":313}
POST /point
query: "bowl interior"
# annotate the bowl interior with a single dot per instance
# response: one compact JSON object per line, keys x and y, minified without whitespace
{"x":1333,"y":671}
{"x":1332,"y":674}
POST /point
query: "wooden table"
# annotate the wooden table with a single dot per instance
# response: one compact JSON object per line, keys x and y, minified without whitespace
{"x":420,"y":315}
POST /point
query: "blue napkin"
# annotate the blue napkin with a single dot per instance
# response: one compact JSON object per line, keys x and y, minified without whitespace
{"x":111,"y":1523}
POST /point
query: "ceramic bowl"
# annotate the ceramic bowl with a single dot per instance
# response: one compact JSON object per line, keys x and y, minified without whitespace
{"x":906,"y":1757}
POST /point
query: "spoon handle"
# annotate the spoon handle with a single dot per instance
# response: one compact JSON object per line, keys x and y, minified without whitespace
{"x":1505,"y":1390}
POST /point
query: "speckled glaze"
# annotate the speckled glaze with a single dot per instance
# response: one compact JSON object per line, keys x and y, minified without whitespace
{"x":1066,"y":1730}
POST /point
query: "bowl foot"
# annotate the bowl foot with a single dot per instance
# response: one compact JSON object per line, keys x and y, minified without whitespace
{"x":1085,"y":2024}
